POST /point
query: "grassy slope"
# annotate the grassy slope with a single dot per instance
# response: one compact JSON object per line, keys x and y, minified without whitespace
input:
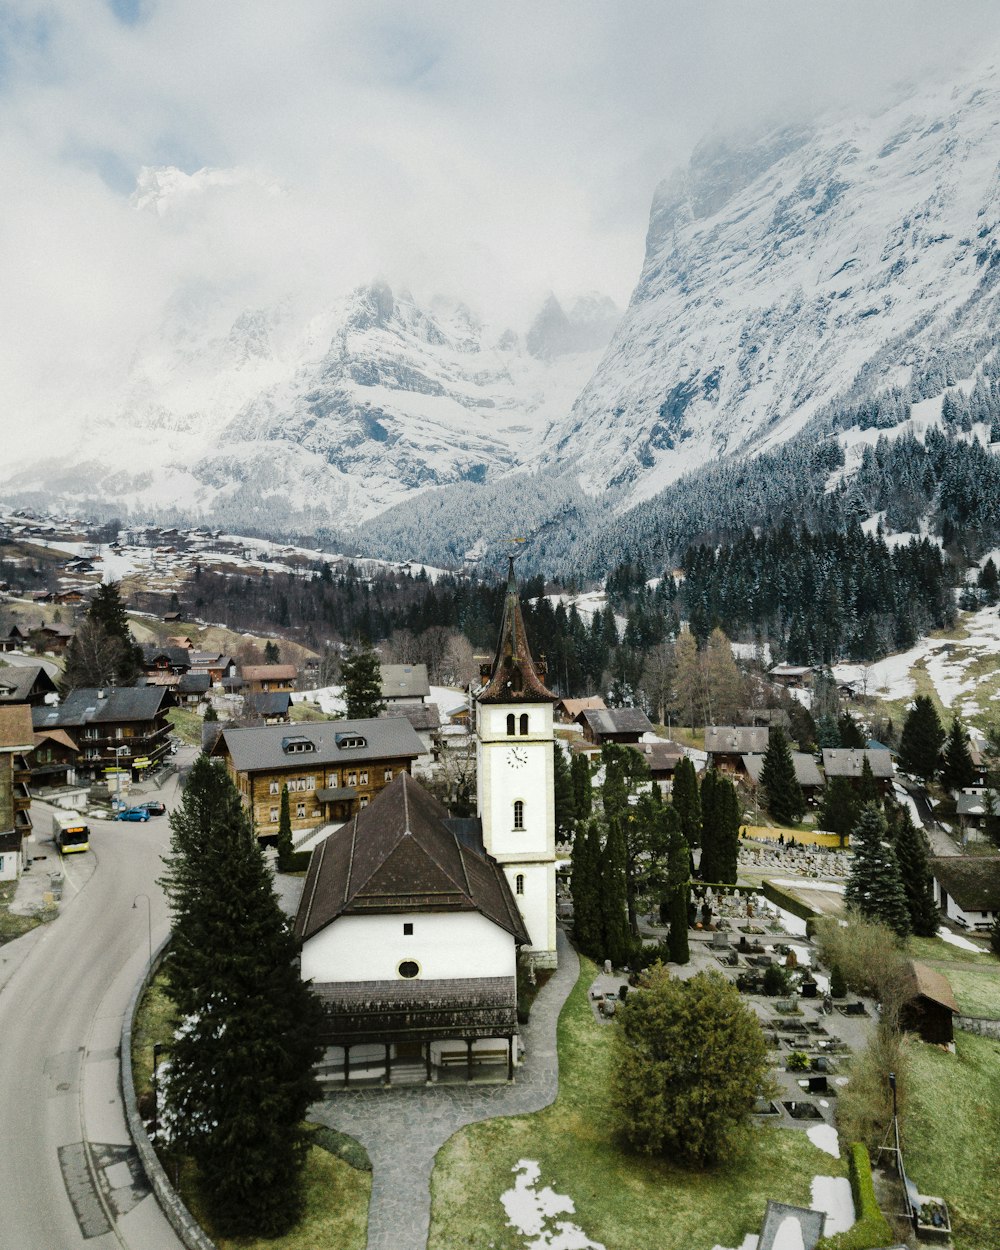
{"x":952,"y":1146}
{"x":621,"y":1199}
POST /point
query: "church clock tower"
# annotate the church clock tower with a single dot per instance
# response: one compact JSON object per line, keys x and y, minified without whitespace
{"x":515,"y":788}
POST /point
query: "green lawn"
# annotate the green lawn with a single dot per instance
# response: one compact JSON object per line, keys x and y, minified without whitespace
{"x":306,"y":712}
{"x":186,"y":725}
{"x":622,"y":1200}
{"x":952,"y":1146}
{"x":937,"y":950}
{"x":977,"y":990}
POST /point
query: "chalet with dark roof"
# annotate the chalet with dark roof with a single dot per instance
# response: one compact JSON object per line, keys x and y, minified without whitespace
{"x":624,"y":725}
{"x":272,"y":708}
{"x":807,"y":773}
{"x":404,"y":683}
{"x":410,"y":936}
{"x":849,"y":762}
{"x":333,"y":769}
{"x":727,"y":744}
{"x":967,"y":888}
{"x":28,"y":684}
{"x":118,"y":726}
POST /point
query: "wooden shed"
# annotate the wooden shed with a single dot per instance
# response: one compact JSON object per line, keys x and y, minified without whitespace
{"x":930,"y":1007}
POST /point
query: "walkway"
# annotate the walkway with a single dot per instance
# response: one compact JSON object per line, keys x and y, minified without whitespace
{"x":403,"y":1129}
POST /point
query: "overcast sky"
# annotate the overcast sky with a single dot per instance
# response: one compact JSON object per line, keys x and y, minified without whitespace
{"x":489,"y":151}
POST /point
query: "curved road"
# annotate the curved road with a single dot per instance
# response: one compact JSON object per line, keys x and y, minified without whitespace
{"x":70,"y":1174}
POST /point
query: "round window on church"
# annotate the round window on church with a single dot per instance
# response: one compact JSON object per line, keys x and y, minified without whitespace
{"x":409,"y":969}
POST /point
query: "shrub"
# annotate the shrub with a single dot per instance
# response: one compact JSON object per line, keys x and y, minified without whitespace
{"x":798,"y":1061}
{"x":775,"y":980}
{"x":838,"y":984}
{"x":871,"y":1228}
{"x":868,"y":954}
{"x":297,"y":861}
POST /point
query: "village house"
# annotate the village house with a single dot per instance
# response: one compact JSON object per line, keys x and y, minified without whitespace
{"x":769,"y":716}
{"x":929,"y":1007}
{"x":404,"y":683}
{"x":849,"y":763}
{"x":54,"y":638}
{"x":333,"y":769}
{"x":16,"y":742}
{"x":967,"y":888}
{"x":661,"y":758}
{"x":623,"y":725}
{"x":425,"y":719}
{"x":166,"y":659}
{"x":16,"y":640}
{"x":25,"y":684}
{"x":54,"y":760}
{"x":567,"y":710}
{"x":273,"y":708}
{"x":266,"y":678}
{"x":115,"y":727}
{"x":727,"y":744}
{"x":807,"y":774}
{"x":794,"y":676}
{"x":216,"y":664}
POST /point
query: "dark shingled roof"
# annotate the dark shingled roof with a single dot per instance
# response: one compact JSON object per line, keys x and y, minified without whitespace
{"x":973,"y":881}
{"x":398,"y":855}
{"x":20,"y":683}
{"x":849,"y":761}
{"x":112,"y":705}
{"x":271,"y":703}
{"x":514,"y":677}
{"x":616,"y":720}
{"x":420,"y":715}
{"x":736,"y":739}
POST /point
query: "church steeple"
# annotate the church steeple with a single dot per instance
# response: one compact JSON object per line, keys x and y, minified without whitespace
{"x":513,"y":677}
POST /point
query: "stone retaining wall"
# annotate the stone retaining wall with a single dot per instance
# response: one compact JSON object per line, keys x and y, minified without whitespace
{"x":978,"y":1025}
{"x":183,"y":1222}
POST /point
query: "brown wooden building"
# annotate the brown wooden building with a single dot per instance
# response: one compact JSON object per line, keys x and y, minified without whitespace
{"x":16,"y":741}
{"x":267,"y":678}
{"x":930,"y":1007}
{"x":333,"y":769}
{"x":121,"y":726}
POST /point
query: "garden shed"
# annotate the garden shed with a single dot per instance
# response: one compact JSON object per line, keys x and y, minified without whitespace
{"x":930,"y":1007}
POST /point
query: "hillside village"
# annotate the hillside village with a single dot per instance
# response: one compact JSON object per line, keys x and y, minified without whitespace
{"x":310,"y":762}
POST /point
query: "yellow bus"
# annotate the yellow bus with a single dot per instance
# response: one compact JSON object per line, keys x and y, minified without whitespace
{"x":70,"y":832}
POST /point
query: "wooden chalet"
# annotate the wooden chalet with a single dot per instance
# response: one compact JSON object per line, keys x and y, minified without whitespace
{"x":807,"y":774}
{"x":16,"y":640}
{"x":624,"y":725}
{"x":795,"y":676}
{"x":54,"y":759}
{"x":265,"y":678}
{"x":16,"y":743}
{"x":115,"y":727}
{"x":29,"y":684}
{"x":410,"y":934}
{"x":333,"y":769}
{"x":662,"y":759}
{"x":849,"y":762}
{"x":404,"y":683}
{"x":54,"y":638}
{"x":967,"y":888}
{"x":567,"y":710}
{"x":272,"y":708}
{"x":726,"y":745}
{"x":929,"y":1007}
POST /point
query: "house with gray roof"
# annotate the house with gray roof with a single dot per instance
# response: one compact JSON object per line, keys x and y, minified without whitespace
{"x":410,"y":934}
{"x":404,"y":683}
{"x":333,"y":769}
{"x":28,"y":684}
{"x":117,"y":726}
{"x":967,"y":888}
{"x":614,"y":724}
{"x":807,"y":773}
{"x":726,"y":745}
{"x":850,"y":762}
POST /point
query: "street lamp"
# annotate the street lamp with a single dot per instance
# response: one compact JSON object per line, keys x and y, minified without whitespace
{"x":149,"y":922}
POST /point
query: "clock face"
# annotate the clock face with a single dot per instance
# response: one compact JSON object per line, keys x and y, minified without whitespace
{"x":517,"y":757}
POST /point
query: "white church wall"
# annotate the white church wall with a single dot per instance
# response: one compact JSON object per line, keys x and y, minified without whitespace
{"x":444,"y":945}
{"x":536,"y":900}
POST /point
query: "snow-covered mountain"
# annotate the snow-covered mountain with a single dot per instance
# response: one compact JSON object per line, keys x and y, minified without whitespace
{"x":801,"y":266}
{"x":338,"y":415}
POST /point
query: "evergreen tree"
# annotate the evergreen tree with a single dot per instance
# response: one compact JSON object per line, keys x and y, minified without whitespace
{"x":241,"y":1072}
{"x":989,"y":583}
{"x":868,"y":791}
{"x":784,"y":794}
{"x":838,"y":808}
{"x":585,"y":887}
{"x":687,"y":700}
{"x":271,"y":653}
{"x":709,"y":866}
{"x":849,"y":732}
{"x":723,"y":683}
{"x":910,"y":845}
{"x":565,"y":796}
{"x":957,"y":768}
{"x":614,"y":900}
{"x":678,"y":892}
{"x":827,"y":732}
{"x":685,"y":799}
{"x":728,"y":816}
{"x":361,"y":674}
{"x":874,"y":886}
{"x":284,"y":847}
{"x":583,"y":790}
{"x":921,"y":740}
{"x":108,"y":612}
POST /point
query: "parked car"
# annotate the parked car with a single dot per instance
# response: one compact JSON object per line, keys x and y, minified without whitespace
{"x":132,"y":813}
{"x":154,"y":807}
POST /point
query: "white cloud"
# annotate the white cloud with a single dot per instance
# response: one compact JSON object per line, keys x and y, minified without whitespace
{"x":491,"y":152}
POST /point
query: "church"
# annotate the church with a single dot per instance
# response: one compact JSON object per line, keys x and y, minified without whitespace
{"x":412,"y":922}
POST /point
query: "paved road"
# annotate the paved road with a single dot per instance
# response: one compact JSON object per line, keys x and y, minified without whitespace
{"x":941,"y":843}
{"x":70,"y":1177}
{"x":402,"y":1129}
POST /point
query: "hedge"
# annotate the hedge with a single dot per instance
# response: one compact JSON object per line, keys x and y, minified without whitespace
{"x":789,"y":902}
{"x":871,"y":1229}
{"x":298,"y":861}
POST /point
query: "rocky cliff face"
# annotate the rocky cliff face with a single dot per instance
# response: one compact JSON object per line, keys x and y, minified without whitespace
{"x":790,"y":270}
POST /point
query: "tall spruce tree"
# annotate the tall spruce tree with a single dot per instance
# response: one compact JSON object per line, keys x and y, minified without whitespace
{"x":728,"y":816}
{"x":240,"y":1076}
{"x":361,"y":674}
{"x":583,"y":790}
{"x":614,"y":898}
{"x":785,"y":800}
{"x":107,"y":611}
{"x":874,"y":886}
{"x":957,"y":768}
{"x":285,"y":847}
{"x":708,"y":867}
{"x":910,"y":845}
{"x":849,"y":732}
{"x":868,"y":791}
{"x":838,"y":808}
{"x":686,"y":801}
{"x":565,"y":797}
{"x":921,"y":740}
{"x":678,"y":890}
{"x":585,"y":887}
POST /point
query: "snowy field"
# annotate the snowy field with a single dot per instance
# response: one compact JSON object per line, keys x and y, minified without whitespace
{"x":330,"y":699}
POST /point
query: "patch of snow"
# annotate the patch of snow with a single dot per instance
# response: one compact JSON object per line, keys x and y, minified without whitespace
{"x":792,"y":924}
{"x":532,"y":1212}
{"x":832,"y":1195}
{"x":825,"y":1137}
{"x":956,"y":939}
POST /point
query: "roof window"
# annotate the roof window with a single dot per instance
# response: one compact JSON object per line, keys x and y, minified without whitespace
{"x":297,"y":746}
{"x":346,"y":742}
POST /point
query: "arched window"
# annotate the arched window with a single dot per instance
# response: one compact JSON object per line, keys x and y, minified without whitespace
{"x":524,"y":722}
{"x":519,"y":883}
{"x":518,"y":814}
{"x":510,"y":724}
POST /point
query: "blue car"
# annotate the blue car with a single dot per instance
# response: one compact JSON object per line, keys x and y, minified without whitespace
{"x":133,"y":813}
